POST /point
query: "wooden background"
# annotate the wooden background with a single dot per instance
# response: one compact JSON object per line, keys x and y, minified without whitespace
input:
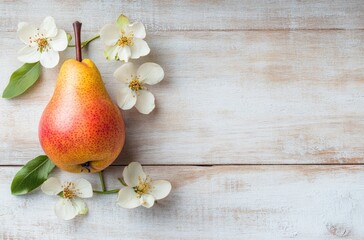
{"x":259,"y":121}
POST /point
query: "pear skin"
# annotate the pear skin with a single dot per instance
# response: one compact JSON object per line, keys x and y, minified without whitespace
{"x":81,"y":129}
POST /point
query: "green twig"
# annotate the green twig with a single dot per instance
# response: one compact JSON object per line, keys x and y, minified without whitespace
{"x":103,"y":186}
{"x":101,"y":175}
{"x":107,"y":192}
{"x":85,"y":43}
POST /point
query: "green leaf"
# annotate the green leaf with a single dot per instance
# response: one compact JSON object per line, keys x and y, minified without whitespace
{"x":22,"y":79}
{"x":69,"y":37}
{"x":122,"y":21}
{"x":32,"y":175}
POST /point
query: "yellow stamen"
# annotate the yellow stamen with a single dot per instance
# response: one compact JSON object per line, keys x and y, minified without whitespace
{"x":143,"y":186}
{"x":126,"y":40}
{"x":69,"y":190}
{"x":135,"y":84}
{"x":42,"y":44}
{"x":41,"y":41}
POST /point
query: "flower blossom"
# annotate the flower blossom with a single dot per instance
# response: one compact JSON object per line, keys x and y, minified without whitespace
{"x":123,"y":40}
{"x":70,"y":203}
{"x":42,"y":44}
{"x":141,"y":190}
{"x":133,"y":91}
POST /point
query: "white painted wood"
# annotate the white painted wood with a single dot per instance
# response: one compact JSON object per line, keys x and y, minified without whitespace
{"x":240,"y":88}
{"x":221,"y":202}
{"x":162,"y":15}
{"x":228,"y":97}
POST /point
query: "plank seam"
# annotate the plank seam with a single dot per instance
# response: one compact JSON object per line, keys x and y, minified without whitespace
{"x":233,"y":164}
{"x":234,"y":30}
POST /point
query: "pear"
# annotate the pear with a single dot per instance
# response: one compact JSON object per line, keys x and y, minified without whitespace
{"x":81,"y":129}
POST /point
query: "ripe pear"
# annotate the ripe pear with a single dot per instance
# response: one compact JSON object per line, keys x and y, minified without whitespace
{"x":81,"y":129}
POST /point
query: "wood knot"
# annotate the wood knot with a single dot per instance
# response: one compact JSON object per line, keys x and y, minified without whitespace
{"x":338,"y":230}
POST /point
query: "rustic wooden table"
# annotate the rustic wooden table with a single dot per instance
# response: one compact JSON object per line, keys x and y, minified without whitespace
{"x":259,"y":122}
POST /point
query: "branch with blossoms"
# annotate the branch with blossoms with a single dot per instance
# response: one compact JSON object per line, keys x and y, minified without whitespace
{"x":123,"y":41}
{"x":137,"y":189}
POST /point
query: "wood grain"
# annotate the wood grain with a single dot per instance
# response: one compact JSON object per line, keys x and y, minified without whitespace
{"x":235,"y":202}
{"x":247,"y":82}
{"x":177,"y":15}
{"x":245,"y":97}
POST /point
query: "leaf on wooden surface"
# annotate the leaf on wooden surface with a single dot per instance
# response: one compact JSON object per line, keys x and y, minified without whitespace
{"x":31,"y":175}
{"x":22,"y":79}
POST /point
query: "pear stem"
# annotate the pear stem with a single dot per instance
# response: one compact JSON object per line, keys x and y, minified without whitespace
{"x":77,"y":29}
{"x":101,"y":174}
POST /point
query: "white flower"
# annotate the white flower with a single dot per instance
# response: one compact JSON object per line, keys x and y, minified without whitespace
{"x":42,"y":44}
{"x":140,"y":189}
{"x":70,"y":204}
{"x":133,"y":91}
{"x":124,"y":40}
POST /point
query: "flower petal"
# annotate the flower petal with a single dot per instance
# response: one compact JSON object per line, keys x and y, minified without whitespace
{"x":125,"y":72}
{"x":28,"y":54}
{"x":126,"y":98}
{"x":122,"y":22}
{"x":49,"y":59}
{"x":80,"y":205}
{"x":145,"y":102}
{"x":52,"y":186}
{"x":147,"y":200}
{"x":124,"y":53}
{"x":139,"y":49}
{"x":132,"y":173}
{"x":127,"y":198}
{"x":48,"y":27}
{"x":111,"y":52}
{"x":60,"y":41}
{"x":84,"y":188}
{"x":160,"y":189}
{"x":110,"y":34}
{"x":150,"y":73}
{"x":137,"y":29}
{"x":65,"y":210}
{"x":26,"y":30}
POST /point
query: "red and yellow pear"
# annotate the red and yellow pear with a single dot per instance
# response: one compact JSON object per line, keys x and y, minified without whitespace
{"x":81,"y":129}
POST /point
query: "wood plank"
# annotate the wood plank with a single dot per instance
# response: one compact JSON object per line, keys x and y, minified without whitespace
{"x":235,"y":202}
{"x":168,"y":15}
{"x":261,"y":97}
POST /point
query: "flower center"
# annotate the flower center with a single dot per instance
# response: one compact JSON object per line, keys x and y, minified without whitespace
{"x":41,"y":41}
{"x":69,"y":190}
{"x":125,"y":40}
{"x":135,"y":84}
{"x":143,"y":186}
